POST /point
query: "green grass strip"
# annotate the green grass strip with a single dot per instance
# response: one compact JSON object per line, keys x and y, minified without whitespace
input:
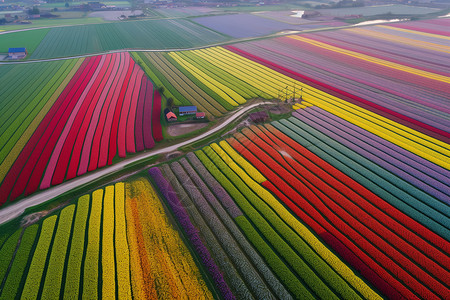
{"x":73,"y":277}
{"x":23,"y":95}
{"x":28,"y":39}
{"x":56,"y":264}
{"x":20,"y":263}
{"x":39,"y":260}
{"x":6,"y":253}
{"x":13,"y":84}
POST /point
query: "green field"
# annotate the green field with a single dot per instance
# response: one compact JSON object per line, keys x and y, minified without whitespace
{"x":149,"y":34}
{"x":53,"y":23}
{"x":62,"y":4}
{"x":28,"y":39}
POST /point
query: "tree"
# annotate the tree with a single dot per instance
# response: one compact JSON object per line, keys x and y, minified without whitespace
{"x":34,"y":11}
{"x":169,"y":102}
{"x":67,"y":4}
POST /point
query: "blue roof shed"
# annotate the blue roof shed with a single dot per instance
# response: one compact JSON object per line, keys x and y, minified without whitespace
{"x":15,"y":50}
{"x":187,"y":110}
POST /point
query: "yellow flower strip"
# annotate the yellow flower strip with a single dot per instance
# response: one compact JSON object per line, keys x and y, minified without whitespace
{"x":271,"y":81}
{"x":277,"y":79}
{"x":416,"y":32}
{"x":175,"y":255}
{"x":336,"y":264}
{"x":20,"y":144}
{"x":298,"y":106}
{"x":137,"y":274}
{"x":383,"y":128}
{"x":121,"y":245}
{"x":245,"y":75}
{"x":91,"y":270}
{"x":151,"y":229}
{"x":226,"y":93}
{"x":249,"y":168}
{"x":108,"y":259}
{"x":170,"y":264}
{"x":241,"y":63}
{"x":374,"y":60}
{"x":399,"y":39}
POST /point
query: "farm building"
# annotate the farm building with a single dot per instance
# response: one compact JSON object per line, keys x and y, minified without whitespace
{"x":17,"y":53}
{"x":200,"y":115}
{"x":187,"y":110}
{"x":170,"y":116}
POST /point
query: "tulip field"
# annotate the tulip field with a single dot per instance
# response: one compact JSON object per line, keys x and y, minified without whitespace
{"x":78,"y":116}
{"x":206,"y":78}
{"x":401,"y":70}
{"x":297,"y":188}
{"x":114,"y":241}
{"x":345,"y":196}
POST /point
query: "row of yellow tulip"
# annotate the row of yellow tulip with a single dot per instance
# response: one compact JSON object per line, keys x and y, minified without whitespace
{"x":273,"y":78}
{"x":222,"y":90}
{"x":121,"y":244}
{"x":169,"y":270}
{"x":244,"y":164}
{"x":246,"y":74}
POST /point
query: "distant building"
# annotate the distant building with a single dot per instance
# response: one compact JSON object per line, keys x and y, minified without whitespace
{"x":310,"y":14}
{"x":17,"y":53}
{"x":259,"y":117}
{"x":187,"y":110}
{"x":200,"y":115}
